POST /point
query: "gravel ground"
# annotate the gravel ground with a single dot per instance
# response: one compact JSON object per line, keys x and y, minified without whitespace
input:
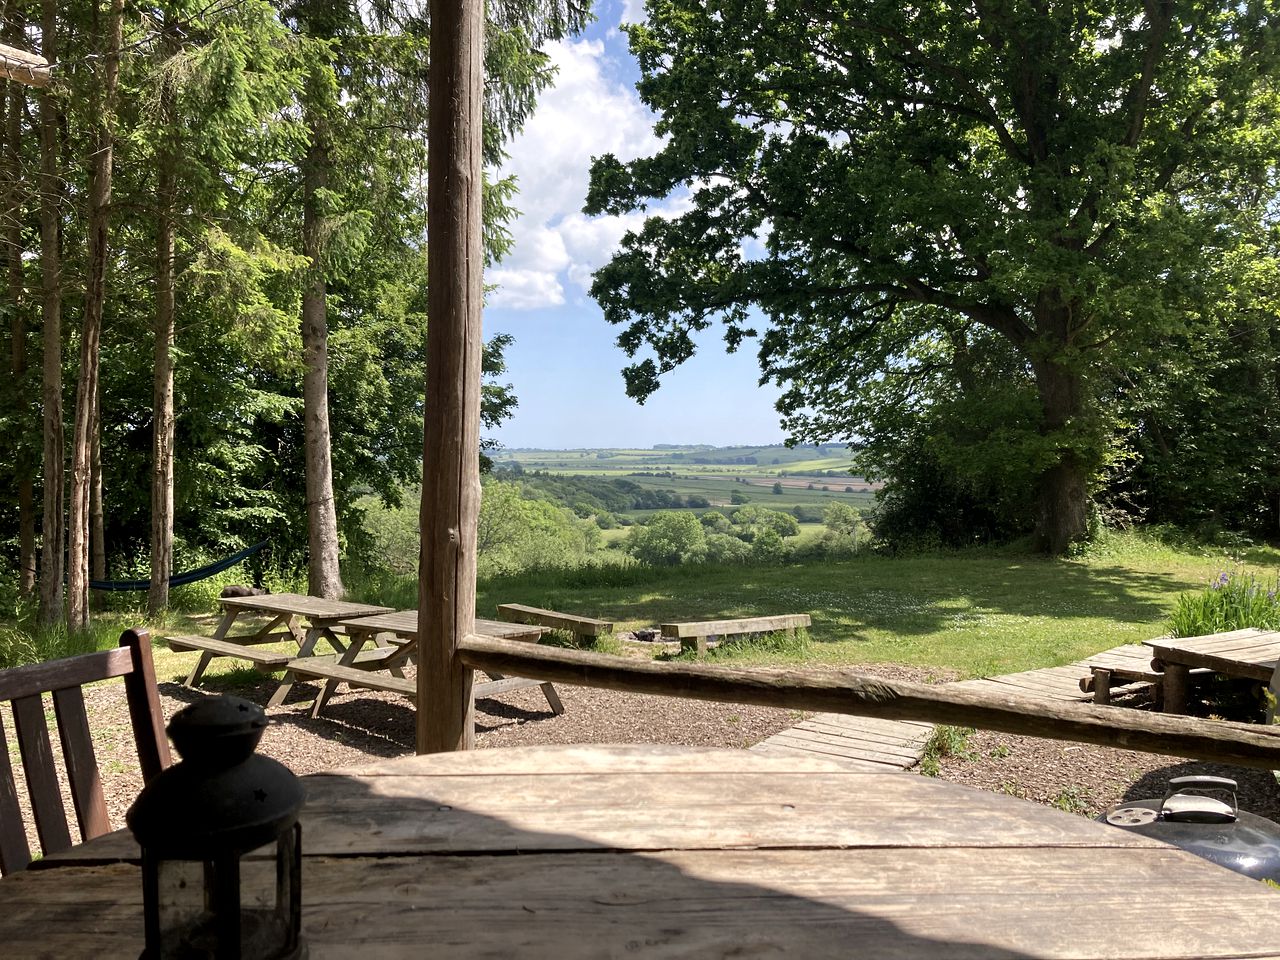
{"x":1079,"y":778}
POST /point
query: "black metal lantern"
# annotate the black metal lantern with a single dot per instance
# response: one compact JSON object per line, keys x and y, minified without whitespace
{"x":199,"y":821}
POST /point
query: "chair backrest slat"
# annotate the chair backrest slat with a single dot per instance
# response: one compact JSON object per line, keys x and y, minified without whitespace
{"x":25,"y":687}
{"x":14,"y":852}
{"x":70,"y":672}
{"x":82,"y":765}
{"x":42,"y":776}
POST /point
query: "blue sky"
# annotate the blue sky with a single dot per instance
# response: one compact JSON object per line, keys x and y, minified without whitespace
{"x":564,"y":364}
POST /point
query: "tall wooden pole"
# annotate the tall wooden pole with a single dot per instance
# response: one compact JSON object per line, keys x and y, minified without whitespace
{"x":451,"y":447}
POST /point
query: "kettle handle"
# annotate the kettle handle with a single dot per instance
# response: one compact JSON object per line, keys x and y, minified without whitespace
{"x":1196,"y":783}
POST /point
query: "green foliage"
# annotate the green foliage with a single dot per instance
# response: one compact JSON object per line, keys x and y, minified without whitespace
{"x":754,"y":521}
{"x":1231,"y":601}
{"x":999,"y":235}
{"x":945,"y":741}
{"x":739,"y":497}
{"x":670,"y":538}
{"x":777,"y":487}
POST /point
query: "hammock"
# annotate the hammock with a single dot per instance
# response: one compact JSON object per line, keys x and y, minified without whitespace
{"x":179,"y":579}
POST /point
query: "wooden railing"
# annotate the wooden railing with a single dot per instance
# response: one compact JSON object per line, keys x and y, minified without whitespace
{"x":848,"y":692}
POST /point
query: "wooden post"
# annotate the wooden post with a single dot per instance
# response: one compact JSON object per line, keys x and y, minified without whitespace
{"x":451,"y":447}
{"x":23,"y":67}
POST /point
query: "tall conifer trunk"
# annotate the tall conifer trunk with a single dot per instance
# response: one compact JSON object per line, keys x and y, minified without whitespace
{"x":52,"y":523}
{"x":24,"y":462}
{"x":162,"y":399}
{"x":90,"y":344}
{"x":323,"y":576}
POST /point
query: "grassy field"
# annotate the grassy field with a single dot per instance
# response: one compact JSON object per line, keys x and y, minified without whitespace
{"x":978,"y":612}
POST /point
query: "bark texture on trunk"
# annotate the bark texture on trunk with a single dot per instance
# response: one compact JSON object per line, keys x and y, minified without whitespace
{"x":323,"y":576}
{"x":90,"y":344}
{"x":52,"y":523}
{"x":162,"y":399}
{"x":451,"y":441}
{"x":97,"y":533}
{"x":1063,"y":514}
{"x":15,"y":201}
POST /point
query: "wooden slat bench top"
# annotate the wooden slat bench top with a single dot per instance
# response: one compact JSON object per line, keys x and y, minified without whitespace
{"x":267,"y":660}
{"x":583,"y":626}
{"x":722,"y":628}
{"x":323,"y":668}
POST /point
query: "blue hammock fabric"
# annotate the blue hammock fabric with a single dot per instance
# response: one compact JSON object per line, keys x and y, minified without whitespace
{"x":179,"y":579}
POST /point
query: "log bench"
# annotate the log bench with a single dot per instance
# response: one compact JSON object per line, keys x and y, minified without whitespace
{"x":696,"y":635}
{"x":582,"y":628}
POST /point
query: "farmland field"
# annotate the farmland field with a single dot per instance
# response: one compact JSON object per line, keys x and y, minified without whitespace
{"x":808,"y":476}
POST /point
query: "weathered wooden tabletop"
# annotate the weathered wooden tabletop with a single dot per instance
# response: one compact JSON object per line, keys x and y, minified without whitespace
{"x":315,"y":609}
{"x":679,"y":852}
{"x":1249,"y":653}
{"x":404,"y":623}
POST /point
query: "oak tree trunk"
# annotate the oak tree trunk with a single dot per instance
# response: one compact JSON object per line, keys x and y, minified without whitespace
{"x":1063,"y":511}
{"x":323,"y":576}
{"x":52,"y":521}
{"x":90,"y":342}
{"x":162,"y":400}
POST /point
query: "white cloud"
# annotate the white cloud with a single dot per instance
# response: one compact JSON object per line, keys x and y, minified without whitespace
{"x":524,"y":289}
{"x":633,"y":11}
{"x":585,"y":115}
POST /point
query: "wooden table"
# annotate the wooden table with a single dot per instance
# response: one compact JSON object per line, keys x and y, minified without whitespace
{"x":285,"y":610}
{"x":1250,"y":654}
{"x":403,"y":625}
{"x":566,"y":852}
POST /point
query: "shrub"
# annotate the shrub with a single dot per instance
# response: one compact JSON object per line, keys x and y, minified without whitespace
{"x":1231,"y":601}
{"x":737,"y":497}
{"x":671,"y":537}
{"x":722,"y":548}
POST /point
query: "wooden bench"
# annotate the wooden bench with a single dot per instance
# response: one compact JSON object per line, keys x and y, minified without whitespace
{"x":1125,"y":666}
{"x":327,"y":668}
{"x":268,"y":661}
{"x":695,"y":635}
{"x":582,"y":628}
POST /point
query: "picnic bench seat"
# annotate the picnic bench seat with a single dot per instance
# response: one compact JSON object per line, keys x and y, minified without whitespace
{"x":327,"y":668}
{"x":696,"y":634}
{"x":582,"y":628}
{"x":268,"y":661}
{"x":1121,"y":668}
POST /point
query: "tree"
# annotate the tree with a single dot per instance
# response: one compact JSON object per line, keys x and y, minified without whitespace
{"x":777,"y":488}
{"x":672,"y":537}
{"x":897,"y":187}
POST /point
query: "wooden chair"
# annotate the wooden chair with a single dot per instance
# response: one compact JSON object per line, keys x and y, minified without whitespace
{"x":23,"y":687}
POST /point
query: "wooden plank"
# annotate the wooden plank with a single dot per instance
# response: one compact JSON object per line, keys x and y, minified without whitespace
{"x":848,"y":692}
{"x":268,"y":661}
{"x":584,"y":626}
{"x":302,"y":605}
{"x":42,"y":779}
{"x":145,"y":714}
{"x":14,"y":852}
{"x":678,"y":904}
{"x":325,"y":669}
{"x":404,"y":623}
{"x":721,"y":628}
{"x":821,"y":724}
{"x":1226,"y":666}
{"x":81,"y":764}
{"x":835,"y":747}
{"x":75,"y":671}
{"x":822,"y":734}
{"x":24,"y":67}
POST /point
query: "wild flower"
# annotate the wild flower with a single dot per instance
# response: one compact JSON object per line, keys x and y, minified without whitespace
{"x":1232,"y":601}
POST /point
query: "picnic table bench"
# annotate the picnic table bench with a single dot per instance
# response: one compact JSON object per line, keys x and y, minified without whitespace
{"x":696,"y":634}
{"x":357,"y":671}
{"x":582,"y":628}
{"x":285,"y":613}
{"x":1124,"y":666}
{"x":1249,"y":654}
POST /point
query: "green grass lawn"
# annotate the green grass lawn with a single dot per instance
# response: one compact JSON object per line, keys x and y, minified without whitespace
{"x":977,"y":612}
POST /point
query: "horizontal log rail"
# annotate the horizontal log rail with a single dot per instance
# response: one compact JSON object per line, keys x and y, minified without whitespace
{"x":1250,"y":745}
{"x":28,"y":68}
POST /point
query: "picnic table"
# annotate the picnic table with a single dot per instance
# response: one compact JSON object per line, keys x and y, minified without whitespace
{"x":285,"y":613}
{"x":349,"y":667}
{"x":1249,"y":654}
{"x":594,"y":851}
